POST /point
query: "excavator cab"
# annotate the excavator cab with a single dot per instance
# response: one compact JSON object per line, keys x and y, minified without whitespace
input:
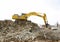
{"x":23,"y":13}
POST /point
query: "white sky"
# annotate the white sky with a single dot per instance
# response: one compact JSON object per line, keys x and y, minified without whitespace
{"x":50,"y":7}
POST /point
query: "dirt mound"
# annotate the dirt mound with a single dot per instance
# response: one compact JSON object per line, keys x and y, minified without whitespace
{"x":25,"y":31}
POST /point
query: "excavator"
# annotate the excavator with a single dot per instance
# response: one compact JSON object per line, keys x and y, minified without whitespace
{"x":24,"y":16}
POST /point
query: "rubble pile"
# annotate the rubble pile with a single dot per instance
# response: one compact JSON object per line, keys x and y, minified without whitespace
{"x":26,"y":31}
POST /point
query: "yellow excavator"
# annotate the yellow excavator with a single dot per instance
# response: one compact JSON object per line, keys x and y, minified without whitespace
{"x":24,"y":16}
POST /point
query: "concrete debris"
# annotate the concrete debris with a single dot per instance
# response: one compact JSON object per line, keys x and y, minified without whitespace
{"x":26,"y":31}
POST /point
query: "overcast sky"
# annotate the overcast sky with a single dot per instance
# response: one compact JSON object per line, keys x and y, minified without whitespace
{"x":50,"y":7}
